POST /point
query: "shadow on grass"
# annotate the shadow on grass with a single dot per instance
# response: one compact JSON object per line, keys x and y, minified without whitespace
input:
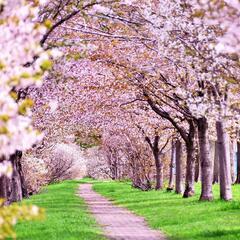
{"x":219,"y":234}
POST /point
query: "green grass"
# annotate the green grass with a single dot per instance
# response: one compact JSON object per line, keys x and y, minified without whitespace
{"x":66,"y":216}
{"x":179,"y":218}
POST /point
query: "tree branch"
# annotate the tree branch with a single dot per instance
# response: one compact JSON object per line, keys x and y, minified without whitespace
{"x":166,"y":115}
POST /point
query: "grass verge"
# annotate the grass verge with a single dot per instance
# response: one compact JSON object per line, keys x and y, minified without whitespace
{"x":178,"y":218}
{"x":66,"y":216}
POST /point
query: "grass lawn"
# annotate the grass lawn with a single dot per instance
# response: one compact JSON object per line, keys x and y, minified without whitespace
{"x":179,"y":218}
{"x":66,"y":216}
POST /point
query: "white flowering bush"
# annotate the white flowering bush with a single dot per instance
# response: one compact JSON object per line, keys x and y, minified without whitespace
{"x":65,"y":161}
{"x":59,"y":162}
{"x":35,"y":172}
{"x":97,"y":164}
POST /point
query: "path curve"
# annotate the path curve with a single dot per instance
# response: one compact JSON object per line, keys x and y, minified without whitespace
{"x":117,"y":223}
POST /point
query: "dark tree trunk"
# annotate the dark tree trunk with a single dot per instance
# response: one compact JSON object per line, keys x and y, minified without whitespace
{"x":12,"y":188}
{"x":21,"y":173}
{"x":238,"y":163}
{"x":158,"y":163}
{"x":3,"y":187}
{"x":113,"y":168}
{"x":179,"y":167}
{"x":190,"y":168}
{"x":172,"y":167}
{"x":224,"y":162}
{"x":159,"y":172}
{"x":197,"y":166}
{"x":22,"y":177}
{"x":206,"y":162}
{"x":16,"y":183}
{"x":216,"y":165}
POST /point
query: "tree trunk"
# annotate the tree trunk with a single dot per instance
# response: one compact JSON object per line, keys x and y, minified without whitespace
{"x":21,"y":174}
{"x":216,"y":165}
{"x":16,"y":184}
{"x":115,"y":168}
{"x":190,"y":168}
{"x":12,"y":188}
{"x":206,"y":162}
{"x":238,"y":163}
{"x":159,"y":171}
{"x":22,"y":177}
{"x":172,"y":167}
{"x":139,"y":180}
{"x":224,"y":162}
{"x":158,"y":163}
{"x":232,"y":159}
{"x":197,"y":166}
{"x":178,"y":185}
{"x":136,"y":180}
{"x":3,"y":187}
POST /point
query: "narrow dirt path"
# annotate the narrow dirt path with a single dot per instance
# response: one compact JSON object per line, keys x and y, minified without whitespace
{"x":117,"y":223}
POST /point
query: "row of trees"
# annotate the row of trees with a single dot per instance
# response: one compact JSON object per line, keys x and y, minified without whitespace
{"x":158,"y":60}
{"x":151,"y":82}
{"x":160,"y":66}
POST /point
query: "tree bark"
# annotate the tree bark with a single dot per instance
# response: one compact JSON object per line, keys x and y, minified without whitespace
{"x":3,"y":187}
{"x":190,"y":169}
{"x":159,"y":171}
{"x":178,"y":184}
{"x":197,"y":166}
{"x":23,"y":181}
{"x":216,"y":164}
{"x":238,"y":163}
{"x":172,"y":167}
{"x":224,"y":162}
{"x":206,"y":162}
{"x":158,"y":163}
{"x":16,"y":183}
{"x":232,"y":159}
{"x":113,"y":168}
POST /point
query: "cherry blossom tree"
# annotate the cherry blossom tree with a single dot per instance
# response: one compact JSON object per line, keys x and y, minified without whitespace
{"x":189,"y":49}
{"x":132,"y":57}
{"x":20,"y":35}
